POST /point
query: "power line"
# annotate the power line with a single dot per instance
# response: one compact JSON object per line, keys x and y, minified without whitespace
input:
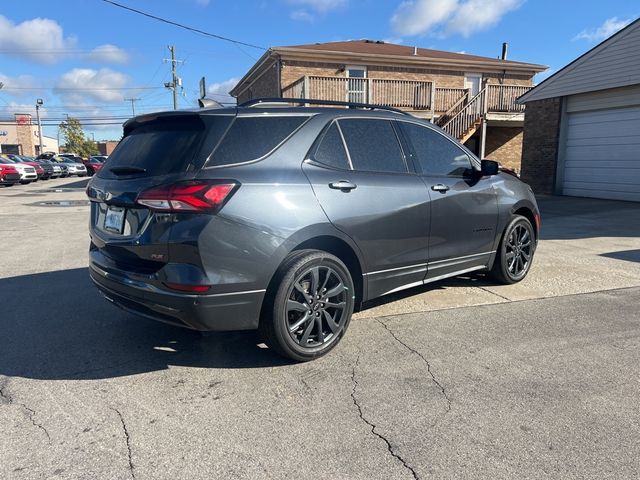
{"x":82,"y":88}
{"x":196,"y":30}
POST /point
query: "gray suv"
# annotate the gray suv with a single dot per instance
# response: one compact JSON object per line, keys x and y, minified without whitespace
{"x":285,"y":219}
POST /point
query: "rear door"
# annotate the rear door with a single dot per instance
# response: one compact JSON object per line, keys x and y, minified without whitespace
{"x":368,"y":192}
{"x":464,"y":210}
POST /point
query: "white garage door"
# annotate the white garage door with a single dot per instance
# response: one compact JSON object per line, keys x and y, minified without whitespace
{"x":602,"y":152}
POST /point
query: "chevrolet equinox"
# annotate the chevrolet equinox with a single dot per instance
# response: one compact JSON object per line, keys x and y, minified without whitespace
{"x":286,"y":218}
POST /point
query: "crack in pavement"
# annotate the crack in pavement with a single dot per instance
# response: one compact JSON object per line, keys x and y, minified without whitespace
{"x":493,"y":293}
{"x":373,"y":426}
{"x":128,"y":440}
{"x":31,"y":413}
{"x":413,"y":350}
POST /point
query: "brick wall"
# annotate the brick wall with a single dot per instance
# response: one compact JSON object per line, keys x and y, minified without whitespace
{"x":266,"y":85}
{"x":540,"y":144}
{"x":504,"y":145}
{"x":24,"y":134}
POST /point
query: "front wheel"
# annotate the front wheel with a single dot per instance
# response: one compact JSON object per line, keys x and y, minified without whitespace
{"x":311,"y":308}
{"x":515,"y":253}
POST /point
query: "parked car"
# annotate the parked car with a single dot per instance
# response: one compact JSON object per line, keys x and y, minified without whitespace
{"x":93,"y":165}
{"x":75,"y":166}
{"x":27,"y":172}
{"x":40,"y":171}
{"x":9,"y":176}
{"x":51,"y":170}
{"x":64,"y":165}
{"x":287,"y":218}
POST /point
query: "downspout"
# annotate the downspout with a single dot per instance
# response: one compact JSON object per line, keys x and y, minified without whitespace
{"x":279,"y":74}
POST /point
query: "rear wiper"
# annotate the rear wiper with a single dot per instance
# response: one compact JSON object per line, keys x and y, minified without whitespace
{"x":125,"y":170}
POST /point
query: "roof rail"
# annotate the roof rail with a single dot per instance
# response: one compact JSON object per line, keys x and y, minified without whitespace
{"x":263,"y":102}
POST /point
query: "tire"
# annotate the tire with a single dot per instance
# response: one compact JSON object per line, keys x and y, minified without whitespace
{"x":286,"y":324}
{"x":515,"y":253}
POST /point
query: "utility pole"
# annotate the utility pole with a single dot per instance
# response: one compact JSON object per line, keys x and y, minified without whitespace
{"x":39,"y":102}
{"x":132,"y":100}
{"x":175,"y":80}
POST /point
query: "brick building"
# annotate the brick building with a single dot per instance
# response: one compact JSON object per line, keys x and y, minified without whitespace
{"x":19,"y":135}
{"x":471,"y":97}
{"x":106,"y":147}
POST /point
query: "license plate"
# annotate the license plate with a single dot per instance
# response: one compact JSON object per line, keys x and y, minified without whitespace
{"x":114,"y":220}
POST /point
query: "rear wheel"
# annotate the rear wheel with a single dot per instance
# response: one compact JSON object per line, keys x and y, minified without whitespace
{"x":311,"y":306}
{"x":515,"y":254}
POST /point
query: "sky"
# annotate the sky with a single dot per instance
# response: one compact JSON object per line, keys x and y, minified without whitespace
{"x":85,"y":58}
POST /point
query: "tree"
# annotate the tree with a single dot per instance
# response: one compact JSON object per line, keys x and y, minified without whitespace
{"x":75,"y":139}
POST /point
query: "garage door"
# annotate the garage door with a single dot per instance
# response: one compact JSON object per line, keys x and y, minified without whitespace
{"x":602,"y":153}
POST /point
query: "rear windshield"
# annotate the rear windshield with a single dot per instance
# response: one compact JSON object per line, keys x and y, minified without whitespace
{"x":162,"y":147}
{"x":250,"y":138}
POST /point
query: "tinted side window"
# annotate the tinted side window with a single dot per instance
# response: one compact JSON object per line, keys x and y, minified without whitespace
{"x":435,"y":154}
{"x":330,"y":150}
{"x":250,"y":138}
{"x":373,"y":145}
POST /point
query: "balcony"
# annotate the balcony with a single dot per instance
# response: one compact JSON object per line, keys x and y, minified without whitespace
{"x":411,"y":95}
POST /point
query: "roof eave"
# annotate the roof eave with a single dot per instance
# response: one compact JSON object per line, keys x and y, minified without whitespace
{"x":255,"y":68}
{"x":292,"y":52}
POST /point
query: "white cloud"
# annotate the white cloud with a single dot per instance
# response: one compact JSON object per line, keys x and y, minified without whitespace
{"x":301,"y":16}
{"x":20,"y":81}
{"x":608,"y":28}
{"x":478,"y":15}
{"x":420,"y":16}
{"x":448,"y":17}
{"x":33,"y":39}
{"x":82,"y":85}
{"x":311,"y":8}
{"x":108,"y":54}
{"x":220,"y":91}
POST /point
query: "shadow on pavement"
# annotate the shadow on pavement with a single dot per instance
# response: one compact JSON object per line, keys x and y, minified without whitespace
{"x":628,"y":255}
{"x":77,"y":183}
{"x":57,"y":326}
{"x":570,"y":218}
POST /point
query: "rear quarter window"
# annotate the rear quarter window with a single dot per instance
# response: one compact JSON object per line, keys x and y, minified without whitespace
{"x":250,"y":138}
{"x":168,"y":145}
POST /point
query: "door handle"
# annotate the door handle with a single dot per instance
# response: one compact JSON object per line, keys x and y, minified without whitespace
{"x":343,"y":185}
{"x":440,"y":188}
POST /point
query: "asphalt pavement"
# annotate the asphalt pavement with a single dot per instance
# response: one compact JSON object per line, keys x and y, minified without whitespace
{"x":462,"y":379}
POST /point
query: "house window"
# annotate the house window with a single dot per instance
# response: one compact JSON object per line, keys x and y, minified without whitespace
{"x":356,"y":84}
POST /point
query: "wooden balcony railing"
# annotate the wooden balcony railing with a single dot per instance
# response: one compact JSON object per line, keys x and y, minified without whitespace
{"x":502,"y":98}
{"x":447,"y":97}
{"x":406,"y":94}
{"x":409,"y":94}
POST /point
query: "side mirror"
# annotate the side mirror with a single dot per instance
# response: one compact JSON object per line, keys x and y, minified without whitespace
{"x":489,"y":167}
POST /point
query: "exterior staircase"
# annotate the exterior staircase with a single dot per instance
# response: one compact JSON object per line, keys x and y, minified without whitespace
{"x":464,"y":118}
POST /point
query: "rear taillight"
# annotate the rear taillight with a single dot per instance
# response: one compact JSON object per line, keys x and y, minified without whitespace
{"x":193,"y":196}
{"x":181,"y":287}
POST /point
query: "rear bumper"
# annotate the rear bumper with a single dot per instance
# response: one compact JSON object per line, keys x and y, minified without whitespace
{"x":139,"y":294}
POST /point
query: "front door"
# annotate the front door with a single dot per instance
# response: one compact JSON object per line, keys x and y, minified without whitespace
{"x":356,"y":84}
{"x":368,"y":193}
{"x":464,"y":209}
{"x":473,"y":82}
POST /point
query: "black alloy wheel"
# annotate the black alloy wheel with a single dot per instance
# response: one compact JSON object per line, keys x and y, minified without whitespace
{"x":312,"y":307}
{"x":515,"y":253}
